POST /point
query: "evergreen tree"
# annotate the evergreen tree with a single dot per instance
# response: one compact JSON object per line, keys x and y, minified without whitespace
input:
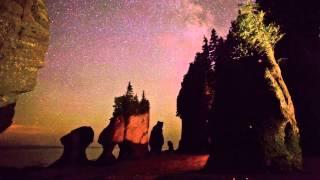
{"x":194,"y":101}
{"x":129,"y":92}
{"x":128,"y":104}
{"x":213,"y":44}
{"x":144,"y":104}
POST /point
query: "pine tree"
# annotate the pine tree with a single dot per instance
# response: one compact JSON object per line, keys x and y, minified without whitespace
{"x":213,"y":44}
{"x":143,"y":95}
{"x":128,"y":104}
{"x":144,"y":104}
{"x":194,"y":101}
{"x":129,"y":92}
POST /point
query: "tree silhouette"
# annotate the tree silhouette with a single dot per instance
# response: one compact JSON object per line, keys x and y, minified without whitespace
{"x":129,"y":104}
{"x":144,"y":104}
{"x":194,"y":101}
{"x":213,"y":44}
{"x":129,"y":92}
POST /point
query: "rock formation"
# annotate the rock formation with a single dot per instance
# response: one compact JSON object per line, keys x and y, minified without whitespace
{"x":170,"y":146}
{"x":253,"y":123}
{"x":135,"y":142}
{"x":24,"y":39}
{"x":75,"y":144}
{"x":109,"y":137}
{"x":300,"y":23}
{"x":128,"y":128}
{"x":6,"y":116}
{"x":156,"y":138}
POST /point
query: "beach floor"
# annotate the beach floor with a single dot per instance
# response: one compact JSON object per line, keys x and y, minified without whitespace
{"x":165,"y":166}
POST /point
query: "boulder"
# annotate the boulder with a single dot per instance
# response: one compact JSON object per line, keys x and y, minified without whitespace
{"x":75,"y":144}
{"x":24,"y":40}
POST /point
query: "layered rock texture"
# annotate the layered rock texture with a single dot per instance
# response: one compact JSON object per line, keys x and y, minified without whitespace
{"x":128,"y":128}
{"x":75,"y":144}
{"x":24,"y":39}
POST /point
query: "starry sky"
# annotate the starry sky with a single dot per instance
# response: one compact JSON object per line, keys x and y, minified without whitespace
{"x":98,"y":46}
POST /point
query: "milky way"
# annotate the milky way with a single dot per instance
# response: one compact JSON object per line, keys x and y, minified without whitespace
{"x":97,"y":46}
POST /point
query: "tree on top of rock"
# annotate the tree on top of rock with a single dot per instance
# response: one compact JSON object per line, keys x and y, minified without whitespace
{"x":129,"y":104}
{"x":263,"y":38}
{"x":264,"y":115}
{"x":194,"y":101}
{"x":300,"y":21}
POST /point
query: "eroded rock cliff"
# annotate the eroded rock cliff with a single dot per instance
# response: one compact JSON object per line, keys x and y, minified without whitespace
{"x":24,"y":39}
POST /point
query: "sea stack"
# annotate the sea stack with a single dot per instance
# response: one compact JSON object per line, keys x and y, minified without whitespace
{"x":75,"y":144}
{"x":128,"y":128}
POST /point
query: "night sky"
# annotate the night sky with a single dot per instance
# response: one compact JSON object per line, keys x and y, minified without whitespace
{"x":98,"y":46}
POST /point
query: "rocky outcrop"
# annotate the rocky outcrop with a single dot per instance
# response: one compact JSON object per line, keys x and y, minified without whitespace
{"x":135,"y":142}
{"x":253,"y":122}
{"x":24,"y":39}
{"x":156,"y":138}
{"x":128,"y":128}
{"x":109,"y":137}
{"x":131,"y":135}
{"x":6,"y":116}
{"x":75,"y":144}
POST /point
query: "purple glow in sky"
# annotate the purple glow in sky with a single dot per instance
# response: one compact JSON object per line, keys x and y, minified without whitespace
{"x":97,"y":46}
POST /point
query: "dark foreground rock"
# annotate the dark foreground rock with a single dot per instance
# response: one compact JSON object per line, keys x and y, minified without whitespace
{"x":156,"y":138}
{"x":75,"y":144}
{"x":6,"y":116}
{"x":106,"y":140}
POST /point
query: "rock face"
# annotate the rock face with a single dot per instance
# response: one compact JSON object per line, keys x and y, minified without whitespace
{"x":128,"y":128}
{"x":135,"y":142}
{"x":156,"y":138}
{"x":253,"y":122}
{"x":113,"y":134}
{"x":24,"y":39}
{"x":75,"y":144}
{"x":131,"y":135}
